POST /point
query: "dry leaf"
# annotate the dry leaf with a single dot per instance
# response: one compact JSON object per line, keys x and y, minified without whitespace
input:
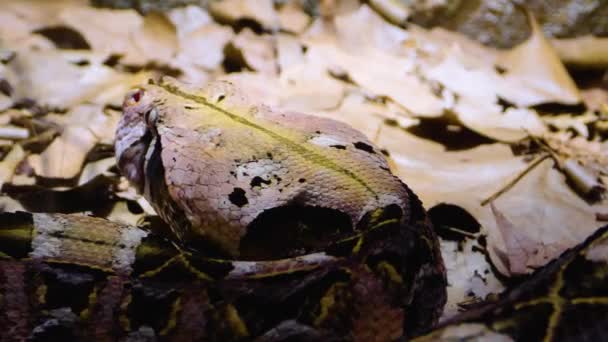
{"x":94,"y":169}
{"x":256,"y":51}
{"x":107,"y":31}
{"x":121,"y":214}
{"x":534,"y":73}
{"x":59,"y":79}
{"x":521,"y":254}
{"x":155,"y":39}
{"x":584,"y":51}
{"x":102,"y":124}
{"x":292,"y":17}
{"x":10,"y":162}
{"x":65,"y":156}
{"x":204,"y":46}
{"x":230,"y":11}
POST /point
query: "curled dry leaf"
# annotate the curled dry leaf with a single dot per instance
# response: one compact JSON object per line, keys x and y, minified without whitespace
{"x":59,"y":79}
{"x":101,"y":123}
{"x":541,"y":202}
{"x":201,"y":41}
{"x":488,"y":119}
{"x":585,"y":51}
{"x":397,"y":12}
{"x":520,"y":253}
{"x":92,"y":170}
{"x":292,"y":17}
{"x":10,"y":162}
{"x":155,"y":39}
{"x":578,"y":123}
{"x":19,"y":18}
{"x":120,"y":213}
{"x":107,"y":31}
{"x":65,"y":156}
{"x":231,"y":11}
{"x":255,"y":51}
{"x":534,"y":73}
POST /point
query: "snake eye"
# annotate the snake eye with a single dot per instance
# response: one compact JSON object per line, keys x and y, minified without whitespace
{"x":151,"y":116}
{"x":137,"y":95}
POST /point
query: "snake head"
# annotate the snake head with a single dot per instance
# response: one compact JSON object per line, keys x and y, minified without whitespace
{"x":134,"y":134}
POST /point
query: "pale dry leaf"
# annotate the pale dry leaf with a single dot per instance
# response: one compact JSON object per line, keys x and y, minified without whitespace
{"x":257,"y":51}
{"x":65,"y":156}
{"x":9,"y":205}
{"x":360,"y":40}
{"x":57,"y":78}
{"x":488,"y":119}
{"x":390,"y":77}
{"x":583,"y":51}
{"x":396,"y":11}
{"x":128,"y":192}
{"x":535,"y":74}
{"x":289,"y":51}
{"x":569,"y":121}
{"x":188,"y":19}
{"x":231,"y":11}
{"x":550,"y":213}
{"x":107,"y":31}
{"x":10,"y":162}
{"x":96,"y":168}
{"x":204,"y":46}
{"x":101,"y":123}
{"x":121,"y":214}
{"x":520,"y":251}
{"x":591,"y":154}
{"x":292,"y":17}
{"x":6,"y":102}
{"x":114,"y":92}
{"x":302,"y":87}
{"x":595,"y":99}
{"x":18,"y":19}
{"x":466,"y":332}
{"x":364,"y":29}
{"x":156,"y":39}
{"x":541,"y":202}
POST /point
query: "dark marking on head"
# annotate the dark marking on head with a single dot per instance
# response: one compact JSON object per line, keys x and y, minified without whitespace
{"x":292,"y":230}
{"x":364,"y":147}
{"x":339,"y":147}
{"x":257,"y":181}
{"x":238,"y":197}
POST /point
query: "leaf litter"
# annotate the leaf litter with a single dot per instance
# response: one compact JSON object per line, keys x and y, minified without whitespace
{"x":533,"y":180}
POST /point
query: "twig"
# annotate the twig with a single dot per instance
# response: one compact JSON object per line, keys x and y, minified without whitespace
{"x":516,"y":179}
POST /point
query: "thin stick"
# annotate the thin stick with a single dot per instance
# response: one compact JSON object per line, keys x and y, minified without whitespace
{"x":516,"y":179}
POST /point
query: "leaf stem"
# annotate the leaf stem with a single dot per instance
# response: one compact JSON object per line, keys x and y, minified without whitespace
{"x":514,"y":181}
